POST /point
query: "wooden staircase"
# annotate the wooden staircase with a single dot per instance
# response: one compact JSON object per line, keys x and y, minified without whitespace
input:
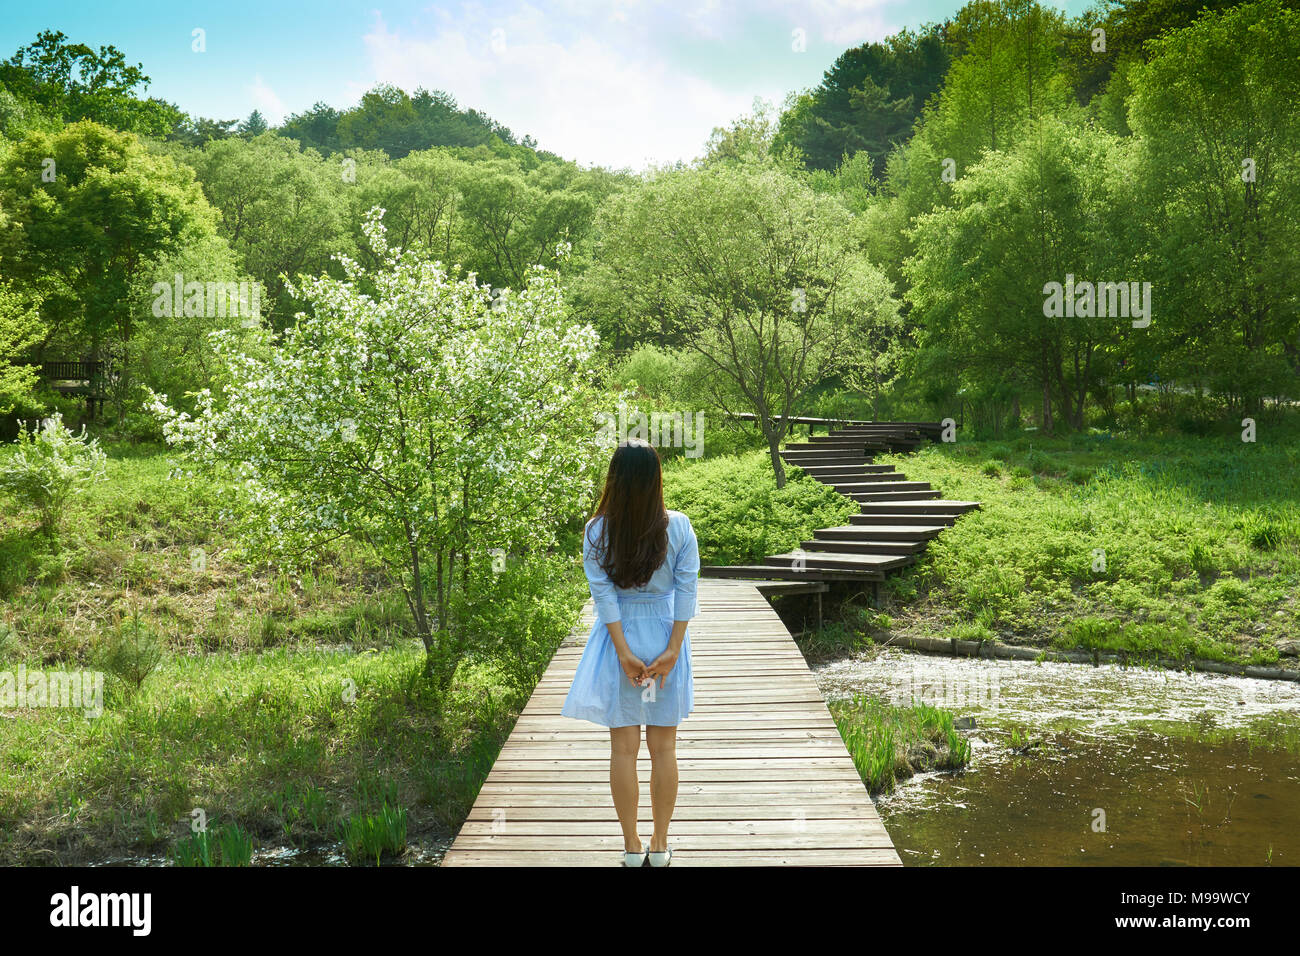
{"x":895,"y":520}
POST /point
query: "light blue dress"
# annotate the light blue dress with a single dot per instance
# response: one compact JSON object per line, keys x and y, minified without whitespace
{"x":601,"y":691}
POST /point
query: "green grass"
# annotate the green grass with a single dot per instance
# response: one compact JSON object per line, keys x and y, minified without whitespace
{"x":367,"y":837}
{"x":221,"y":846}
{"x":272,"y":740}
{"x":889,"y":744}
{"x":258,"y":698}
{"x":1200,"y":539}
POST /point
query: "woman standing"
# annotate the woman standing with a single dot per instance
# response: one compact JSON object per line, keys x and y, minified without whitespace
{"x":643,"y":563}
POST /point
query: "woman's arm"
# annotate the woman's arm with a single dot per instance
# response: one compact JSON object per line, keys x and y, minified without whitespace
{"x":605,"y":599}
{"x":686,"y":576}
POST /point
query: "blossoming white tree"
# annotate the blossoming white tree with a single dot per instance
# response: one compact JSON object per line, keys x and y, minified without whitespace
{"x":413,"y":409}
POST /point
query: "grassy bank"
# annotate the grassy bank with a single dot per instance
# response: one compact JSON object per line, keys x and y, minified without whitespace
{"x":287,"y":709}
{"x":1172,"y":547}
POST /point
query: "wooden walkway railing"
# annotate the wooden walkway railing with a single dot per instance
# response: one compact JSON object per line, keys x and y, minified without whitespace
{"x":765,"y":776}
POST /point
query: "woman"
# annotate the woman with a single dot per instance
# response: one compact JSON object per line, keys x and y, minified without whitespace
{"x":642,"y":563}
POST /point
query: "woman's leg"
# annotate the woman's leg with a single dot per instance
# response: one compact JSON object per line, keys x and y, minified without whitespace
{"x":662,"y":743}
{"x":624,"y":742}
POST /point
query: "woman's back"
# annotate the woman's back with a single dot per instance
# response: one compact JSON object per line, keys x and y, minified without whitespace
{"x":678,"y":573}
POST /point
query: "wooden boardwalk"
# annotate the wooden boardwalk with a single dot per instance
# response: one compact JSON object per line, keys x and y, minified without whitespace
{"x":765,"y":776}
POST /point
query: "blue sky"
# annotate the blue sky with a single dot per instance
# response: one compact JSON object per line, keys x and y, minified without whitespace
{"x":614,"y":82}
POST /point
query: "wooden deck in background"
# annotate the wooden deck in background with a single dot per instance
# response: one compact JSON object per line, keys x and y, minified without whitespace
{"x":765,"y":777}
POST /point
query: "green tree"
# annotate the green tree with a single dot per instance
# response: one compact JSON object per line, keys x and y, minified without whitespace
{"x":753,"y":273}
{"x":512,"y":218}
{"x":867,"y":101}
{"x":195,"y":131}
{"x":1214,"y":113}
{"x":316,"y":128}
{"x":1007,"y":73}
{"x":20,"y":329}
{"x":1048,"y":207}
{"x":77,"y":82}
{"x":282,"y":209}
{"x":429,"y":420}
{"x":255,"y":125}
{"x":91,"y":207}
{"x":420,"y":196}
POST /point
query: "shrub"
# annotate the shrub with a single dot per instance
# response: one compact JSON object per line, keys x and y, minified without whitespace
{"x":653,"y":373}
{"x":739,"y":515}
{"x":522,"y":608}
{"x":131,"y":654}
{"x":49,"y":467}
{"x":1040,"y":462}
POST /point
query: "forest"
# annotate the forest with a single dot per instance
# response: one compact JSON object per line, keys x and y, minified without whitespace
{"x":269,"y":393}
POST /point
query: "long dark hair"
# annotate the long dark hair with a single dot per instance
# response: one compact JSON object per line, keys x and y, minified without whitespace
{"x":634,"y":537}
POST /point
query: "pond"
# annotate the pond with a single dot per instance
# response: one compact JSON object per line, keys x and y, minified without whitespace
{"x":1081,"y":765}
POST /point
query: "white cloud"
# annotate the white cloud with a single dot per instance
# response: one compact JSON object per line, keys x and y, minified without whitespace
{"x":848,"y":23}
{"x":266,"y":101}
{"x":608,"y":81}
{"x":587,"y":96}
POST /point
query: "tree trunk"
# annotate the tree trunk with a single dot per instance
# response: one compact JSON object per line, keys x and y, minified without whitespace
{"x":875,"y":398}
{"x":778,"y":466}
{"x":415,"y":599}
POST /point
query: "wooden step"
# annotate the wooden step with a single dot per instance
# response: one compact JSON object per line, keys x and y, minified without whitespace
{"x":894,"y":482}
{"x":824,"y":447}
{"x":882,"y":435}
{"x":880,"y":532}
{"x":836,"y":471}
{"x":834,"y":456}
{"x":840,"y":561}
{"x":834,"y":439}
{"x":936,"y":506}
{"x":894,"y":520}
{"x":872,"y":433}
{"x":850,"y":482}
{"x":842,"y":461}
{"x":866,"y":546}
{"x":778,"y":572}
{"x":875,"y":497}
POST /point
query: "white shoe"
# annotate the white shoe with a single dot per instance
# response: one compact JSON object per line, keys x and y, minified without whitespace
{"x":634,"y":859}
{"x":661,"y":859}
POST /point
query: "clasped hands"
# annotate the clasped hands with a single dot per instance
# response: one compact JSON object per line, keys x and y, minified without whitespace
{"x":642,"y":674}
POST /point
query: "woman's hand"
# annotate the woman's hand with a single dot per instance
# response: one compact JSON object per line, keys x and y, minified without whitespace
{"x":633,"y":667}
{"x":662,"y":665}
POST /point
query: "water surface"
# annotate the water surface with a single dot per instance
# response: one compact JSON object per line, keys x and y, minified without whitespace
{"x":1081,"y":765}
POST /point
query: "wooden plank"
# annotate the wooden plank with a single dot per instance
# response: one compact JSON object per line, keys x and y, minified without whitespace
{"x":765,"y":777}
